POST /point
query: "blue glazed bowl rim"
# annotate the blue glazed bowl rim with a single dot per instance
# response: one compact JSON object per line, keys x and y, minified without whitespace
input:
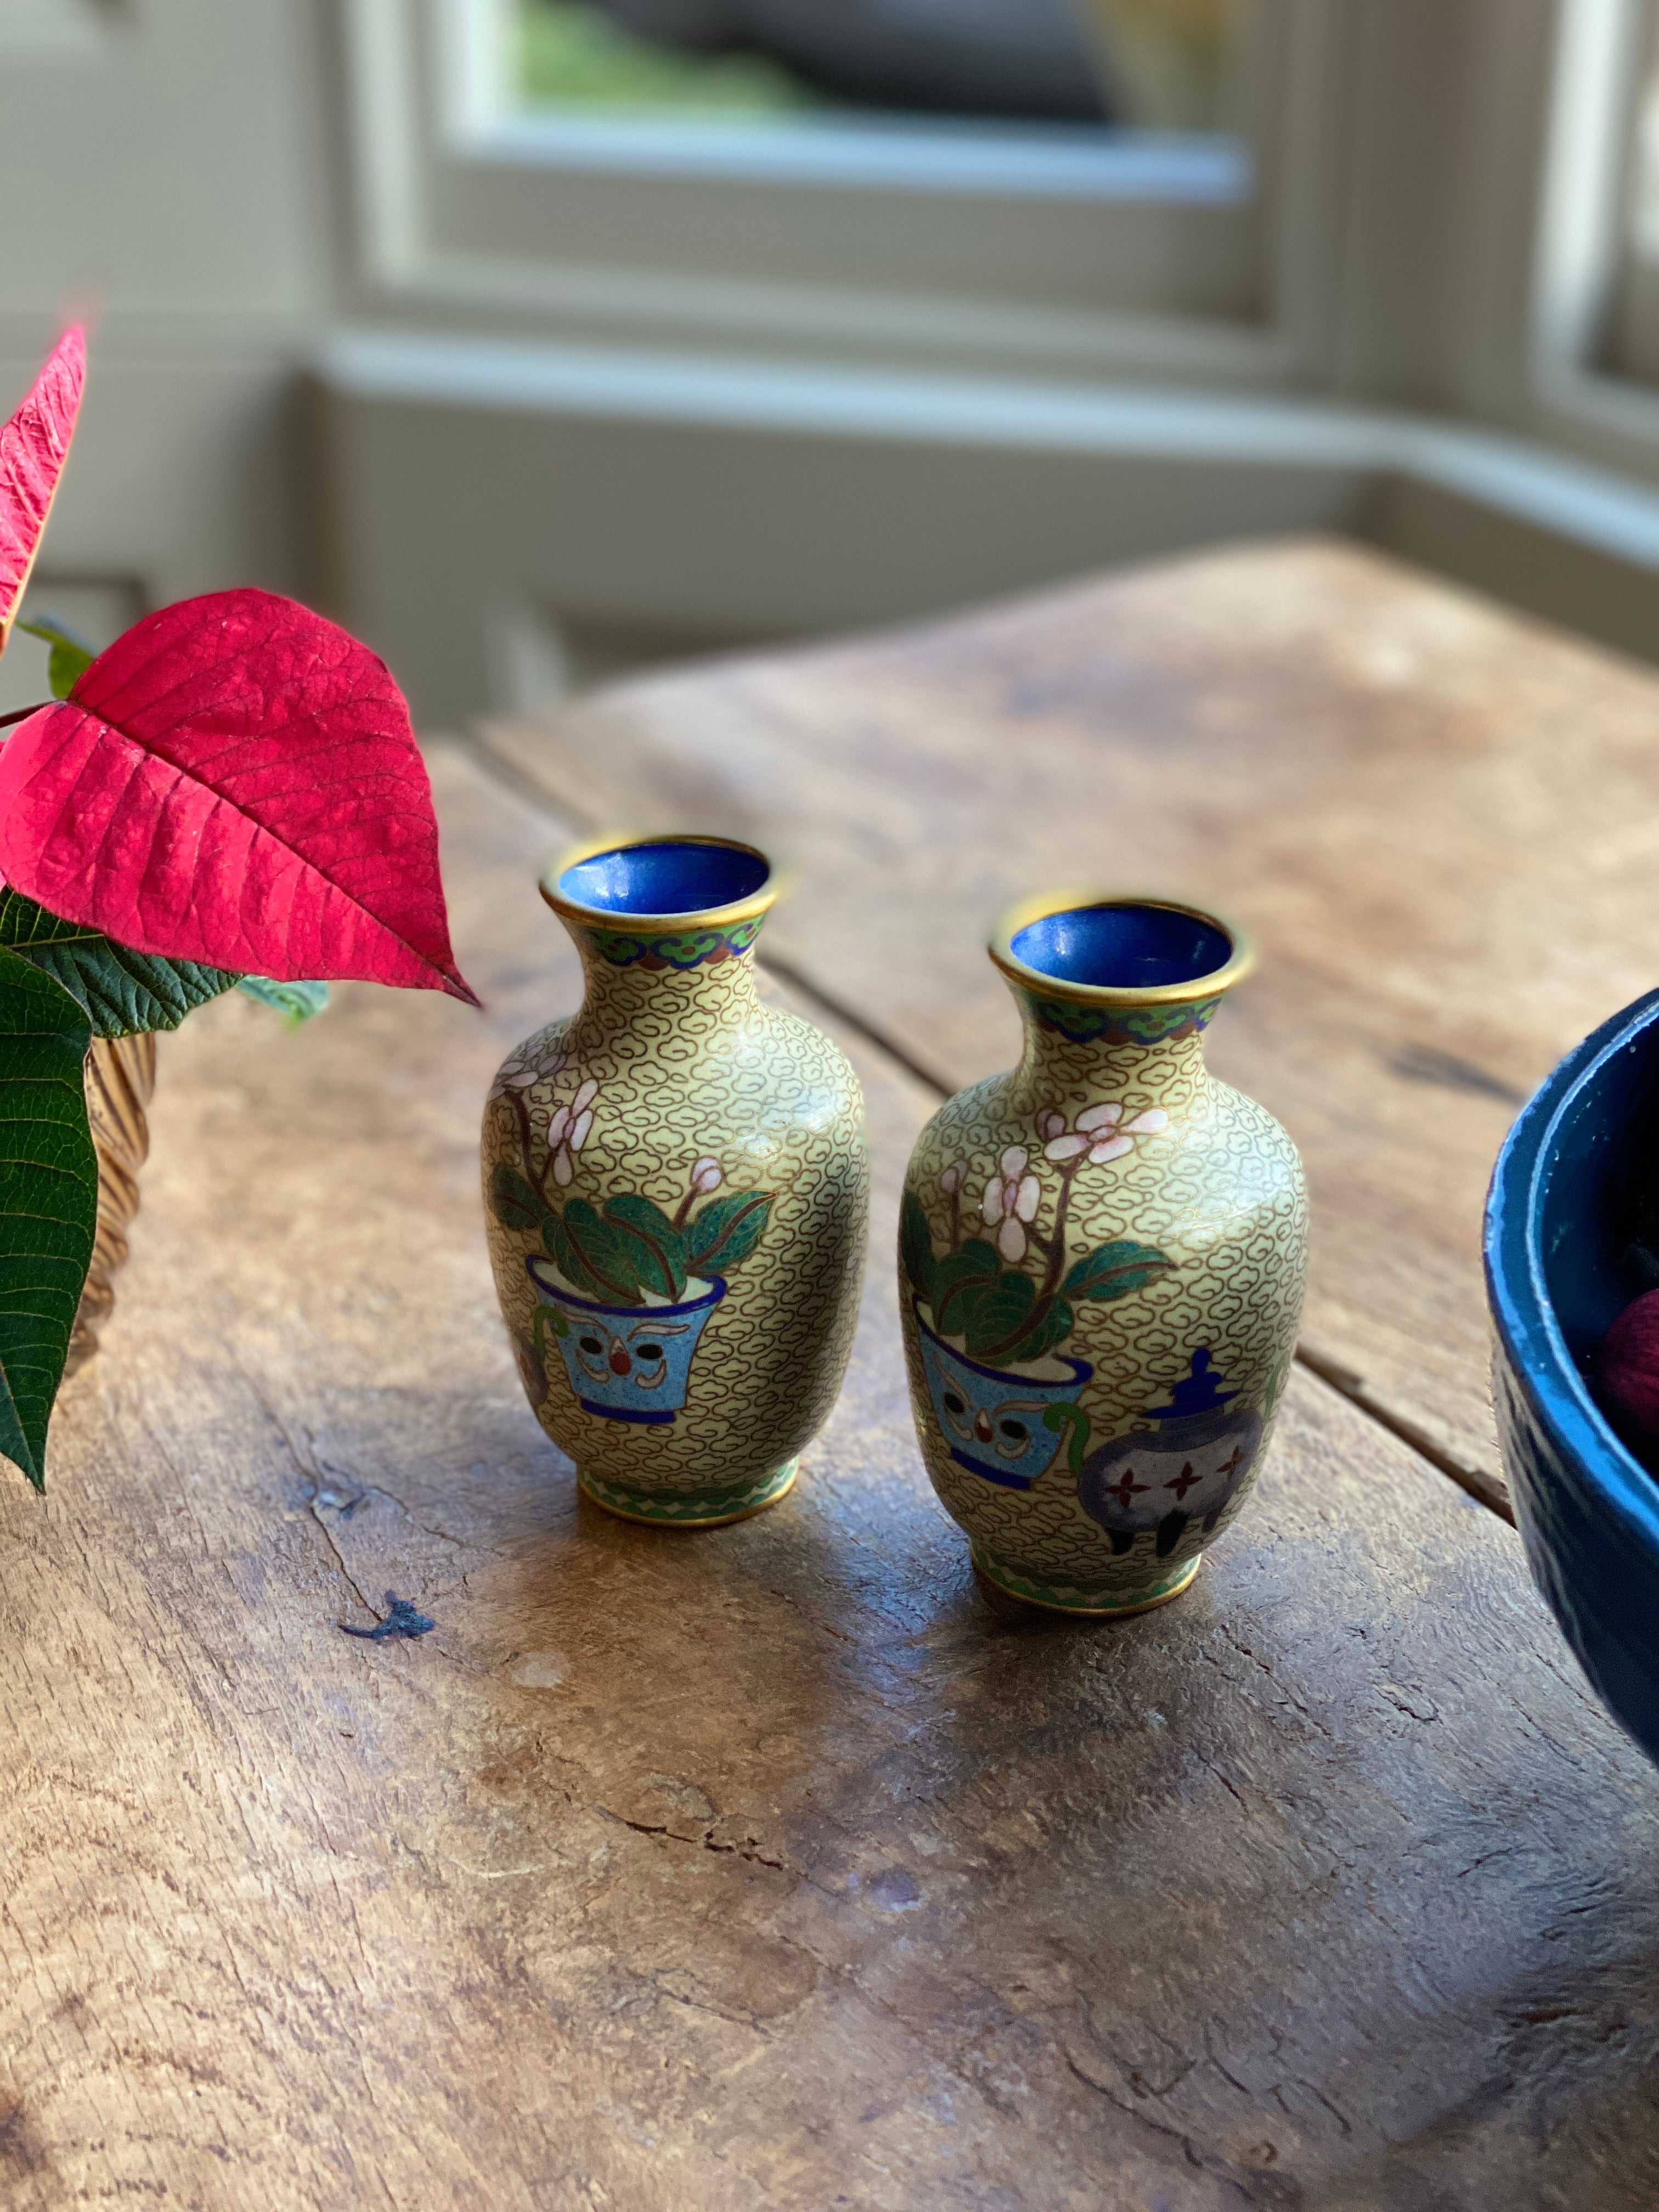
{"x":1607,"y":1474}
{"x":711,"y":1297}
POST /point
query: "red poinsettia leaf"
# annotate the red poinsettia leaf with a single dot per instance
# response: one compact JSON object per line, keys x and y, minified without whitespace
{"x":33,"y":448}
{"x":235,"y":781}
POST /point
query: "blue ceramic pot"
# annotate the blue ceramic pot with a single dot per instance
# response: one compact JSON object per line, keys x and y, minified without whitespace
{"x":993,"y":1418}
{"x":625,"y":1363}
{"x":1557,"y":1228}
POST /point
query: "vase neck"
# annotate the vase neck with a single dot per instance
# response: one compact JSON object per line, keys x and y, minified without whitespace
{"x":1151,"y":1056}
{"x":632,"y":976}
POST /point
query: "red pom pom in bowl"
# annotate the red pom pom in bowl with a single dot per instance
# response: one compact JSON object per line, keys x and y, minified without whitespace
{"x":1627,"y":1364}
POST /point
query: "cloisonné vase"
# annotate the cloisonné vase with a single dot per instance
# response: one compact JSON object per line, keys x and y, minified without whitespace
{"x":1102,"y":1256}
{"x":676,"y":1186}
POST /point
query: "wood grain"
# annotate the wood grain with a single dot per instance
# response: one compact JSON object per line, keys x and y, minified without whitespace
{"x":1440,"y":821}
{"x":768,"y":1869}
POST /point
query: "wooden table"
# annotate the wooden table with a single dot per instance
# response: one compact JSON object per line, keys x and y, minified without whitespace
{"x":772,"y":1867}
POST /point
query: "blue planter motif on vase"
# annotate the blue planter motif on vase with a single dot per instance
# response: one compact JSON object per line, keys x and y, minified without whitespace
{"x":995,"y":1420}
{"x":622,"y":1365}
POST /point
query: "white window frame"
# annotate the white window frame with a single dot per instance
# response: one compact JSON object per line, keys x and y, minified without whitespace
{"x":1580,"y":394}
{"x":1197,"y":260}
{"x":1598,"y":53}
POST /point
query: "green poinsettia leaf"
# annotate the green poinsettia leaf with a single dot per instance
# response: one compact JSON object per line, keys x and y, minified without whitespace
{"x":513,"y":1202}
{"x":960,"y":1280}
{"x":299,"y":1002}
{"x":121,"y":992}
{"x":48,"y":1199}
{"x":70,"y":657}
{"x":655,"y":1247}
{"x":917,"y":1246}
{"x":723,"y":1234}
{"x":1112,"y":1271}
{"x":602,"y":1252}
{"x":999,"y":1315}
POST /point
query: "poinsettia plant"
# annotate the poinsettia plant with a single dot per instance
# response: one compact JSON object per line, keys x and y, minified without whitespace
{"x":230,"y":796}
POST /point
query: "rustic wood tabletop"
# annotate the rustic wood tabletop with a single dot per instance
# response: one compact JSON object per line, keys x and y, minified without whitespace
{"x":773,"y":1867}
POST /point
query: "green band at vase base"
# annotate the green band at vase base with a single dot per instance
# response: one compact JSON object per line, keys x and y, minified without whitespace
{"x":689,"y":1509}
{"x":1082,"y":1604}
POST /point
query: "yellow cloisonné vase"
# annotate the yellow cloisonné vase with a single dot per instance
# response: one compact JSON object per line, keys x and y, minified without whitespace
{"x":1101,"y":1257}
{"x":675,"y":1187}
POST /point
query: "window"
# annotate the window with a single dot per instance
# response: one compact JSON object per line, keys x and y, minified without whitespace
{"x":882,"y":180}
{"x":1161,"y":64}
{"x":1634,"y":330}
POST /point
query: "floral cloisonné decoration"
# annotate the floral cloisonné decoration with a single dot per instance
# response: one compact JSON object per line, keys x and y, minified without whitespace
{"x":981,"y":1289}
{"x":626,"y":1287}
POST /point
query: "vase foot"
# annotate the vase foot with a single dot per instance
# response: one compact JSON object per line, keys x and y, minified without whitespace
{"x":689,"y":1509}
{"x":1081,"y":1605}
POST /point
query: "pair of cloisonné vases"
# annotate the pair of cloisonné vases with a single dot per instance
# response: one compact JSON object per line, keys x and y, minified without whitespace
{"x":1101,"y":1253}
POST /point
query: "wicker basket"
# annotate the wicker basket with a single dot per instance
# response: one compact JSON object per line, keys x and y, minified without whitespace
{"x":120,"y":1078}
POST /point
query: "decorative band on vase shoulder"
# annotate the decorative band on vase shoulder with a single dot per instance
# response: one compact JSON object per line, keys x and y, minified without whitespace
{"x":1131,"y":1025}
{"x":681,"y":949}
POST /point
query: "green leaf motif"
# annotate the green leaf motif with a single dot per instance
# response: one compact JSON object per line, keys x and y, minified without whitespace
{"x":602,"y":1255}
{"x":564,"y":1257}
{"x":121,"y":992}
{"x":726,"y":1232}
{"x":917,"y":1246}
{"x":655,"y":1247}
{"x":960,"y":1281}
{"x":299,"y":1002}
{"x":1052,"y":1329}
{"x":999,"y":1315}
{"x":1113,"y":1270}
{"x":48,"y":1199}
{"x":70,"y":656}
{"x":513,"y":1202}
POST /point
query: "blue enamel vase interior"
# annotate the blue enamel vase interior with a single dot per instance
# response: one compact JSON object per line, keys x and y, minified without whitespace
{"x":667,"y":875}
{"x":1556,"y":1236}
{"x":1122,"y":944}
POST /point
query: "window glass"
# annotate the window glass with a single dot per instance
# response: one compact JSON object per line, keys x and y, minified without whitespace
{"x":1159,"y":64}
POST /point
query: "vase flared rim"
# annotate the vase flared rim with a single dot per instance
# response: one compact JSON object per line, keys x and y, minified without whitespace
{"x":748,"y":906}
{"x":1209,"y":984}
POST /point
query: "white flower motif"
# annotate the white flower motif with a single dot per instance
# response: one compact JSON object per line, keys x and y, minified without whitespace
{"x":1051,"y":1124}
{"x":522,"y":1068}
{"x":1100,"y":1117}
{"x":1098,"y":1133}
{"x":1011,"y":1201}
{"x":706,"y":1175}
{"x":951,"y":1179}
{"x":567,"y":1132}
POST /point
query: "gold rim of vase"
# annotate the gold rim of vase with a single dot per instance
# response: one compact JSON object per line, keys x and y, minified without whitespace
{"x":684,"y":918}
{"x":1238,"y":963}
